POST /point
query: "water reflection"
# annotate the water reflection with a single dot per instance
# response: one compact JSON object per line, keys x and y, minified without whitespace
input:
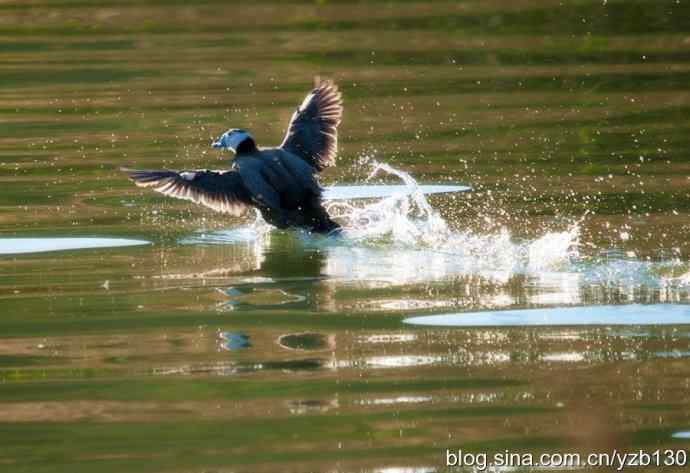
{"x":476,"y":357}
{"x":231,"y":368}
{"x":673,"y":354}
{"x":234,"y":340}
{"x":387,"y":401}
{"x":387,"y":338}
{"x":306,"y":406}
{"x":307,"y":341}
{"x":258,"y":297}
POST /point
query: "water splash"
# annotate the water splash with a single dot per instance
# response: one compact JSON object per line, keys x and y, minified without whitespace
{"x":409,"y":222}
{"x":404,"y":240}
{"x":407,"y":219}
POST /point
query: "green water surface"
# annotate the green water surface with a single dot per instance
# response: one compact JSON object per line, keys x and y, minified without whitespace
{"x":556,"y":112}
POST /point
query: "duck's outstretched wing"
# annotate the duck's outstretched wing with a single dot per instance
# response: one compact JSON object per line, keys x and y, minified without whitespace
{"x":223,"y":191}
{"x":312,"y":133}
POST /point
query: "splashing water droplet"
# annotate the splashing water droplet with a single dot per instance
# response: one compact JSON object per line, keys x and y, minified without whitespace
{"x":410,"y":222}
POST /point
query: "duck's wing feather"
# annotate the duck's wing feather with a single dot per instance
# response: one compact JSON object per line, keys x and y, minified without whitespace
{"x":312,"y":133}
{"x":223,"y":191}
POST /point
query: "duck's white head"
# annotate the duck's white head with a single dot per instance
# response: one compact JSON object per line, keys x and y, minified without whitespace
{"x":232,"y":139}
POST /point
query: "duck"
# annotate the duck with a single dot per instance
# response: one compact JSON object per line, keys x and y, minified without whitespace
{"x":280,"y":182}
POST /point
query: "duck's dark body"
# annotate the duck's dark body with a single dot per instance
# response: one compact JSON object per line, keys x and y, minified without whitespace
{"x":283,"y":187}
{"x":280,"y":182}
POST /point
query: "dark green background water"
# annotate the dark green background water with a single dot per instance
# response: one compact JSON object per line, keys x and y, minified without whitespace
{"x":114,"y":360}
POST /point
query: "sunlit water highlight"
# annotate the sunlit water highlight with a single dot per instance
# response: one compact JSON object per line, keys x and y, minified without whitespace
{"x":343,"y":192}
{"x":39,"y":245}
{"x":634,"y":314}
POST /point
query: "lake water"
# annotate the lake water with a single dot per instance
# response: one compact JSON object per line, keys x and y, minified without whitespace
{"x":217,"y":344}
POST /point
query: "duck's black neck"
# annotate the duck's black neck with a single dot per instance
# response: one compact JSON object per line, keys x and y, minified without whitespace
{"x":248,"y":146}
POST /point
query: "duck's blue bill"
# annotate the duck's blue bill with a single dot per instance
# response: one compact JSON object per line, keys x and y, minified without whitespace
{"x":217,"y":144}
